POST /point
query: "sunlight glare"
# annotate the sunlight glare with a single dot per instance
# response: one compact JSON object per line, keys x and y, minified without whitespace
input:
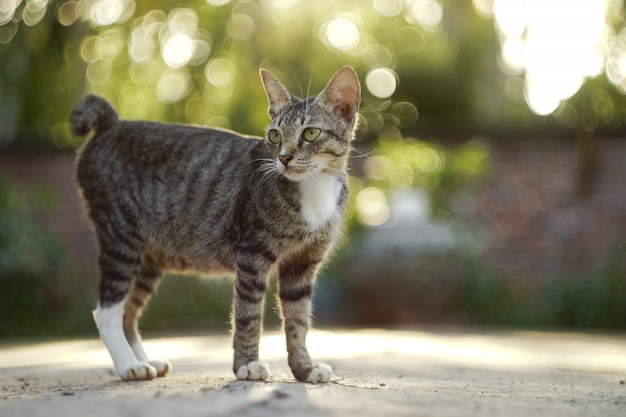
{"x":557,"y":43}
{"x":510,"y":17}
{"x":484,"y":7}
{"x":616,"y":61}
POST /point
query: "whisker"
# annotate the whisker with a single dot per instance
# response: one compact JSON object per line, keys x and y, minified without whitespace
{"x":300,"y":88}
{"x":266,"y":170}
{"x":360,"y":153}
{"x":262,"y":160}
{"x":308,"y":88}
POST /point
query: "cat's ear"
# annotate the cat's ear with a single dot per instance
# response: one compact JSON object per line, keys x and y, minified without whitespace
{"x":277,"y":94}
{"x":343,"y":94}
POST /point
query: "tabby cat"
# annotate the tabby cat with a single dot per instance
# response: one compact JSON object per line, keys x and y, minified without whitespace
{"x":166,"y":197}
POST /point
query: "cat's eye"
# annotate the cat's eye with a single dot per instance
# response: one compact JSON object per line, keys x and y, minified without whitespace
{"x":274,"y":136}
{"x":311,"y":133}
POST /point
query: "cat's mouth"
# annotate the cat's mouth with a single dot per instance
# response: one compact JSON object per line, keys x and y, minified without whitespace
{"x":292,"y":173}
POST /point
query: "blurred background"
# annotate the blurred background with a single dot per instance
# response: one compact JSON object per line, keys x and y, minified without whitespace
{"x":487,"y":177}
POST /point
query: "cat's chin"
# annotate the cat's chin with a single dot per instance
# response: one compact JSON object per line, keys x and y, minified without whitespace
{"x":295,"y":175}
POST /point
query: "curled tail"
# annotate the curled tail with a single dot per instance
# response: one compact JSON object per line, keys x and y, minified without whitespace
{"x":92,"y":113}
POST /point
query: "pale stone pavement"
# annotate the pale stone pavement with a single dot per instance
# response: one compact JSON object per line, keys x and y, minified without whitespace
{"x":440,"y":372}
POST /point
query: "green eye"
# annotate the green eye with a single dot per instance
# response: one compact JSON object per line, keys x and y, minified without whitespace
{"x":274,"y":137}
{"x":311,"y":133}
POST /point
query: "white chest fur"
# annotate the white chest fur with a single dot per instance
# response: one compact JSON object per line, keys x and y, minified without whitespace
{"x":319,"y":196}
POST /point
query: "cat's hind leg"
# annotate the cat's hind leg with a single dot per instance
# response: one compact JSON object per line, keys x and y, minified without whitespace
{"x":109,"y":320}
{"x":119,"y":265}
{"x":142,"y":289}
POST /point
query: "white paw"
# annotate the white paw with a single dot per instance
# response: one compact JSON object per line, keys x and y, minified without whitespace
{"x":162,"y":367}
{"x":254,"y":371}
{"x":320,"y":373}
{"x":141,"y":372}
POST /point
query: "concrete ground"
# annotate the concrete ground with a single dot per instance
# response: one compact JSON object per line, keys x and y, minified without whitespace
{"x":377,"y":372}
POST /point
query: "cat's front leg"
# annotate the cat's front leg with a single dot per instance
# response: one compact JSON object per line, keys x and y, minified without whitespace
{"x":248,"y":318}
{"x":296,"y":292}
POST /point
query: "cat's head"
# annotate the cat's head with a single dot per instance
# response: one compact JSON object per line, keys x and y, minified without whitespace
{"x":313,"y":135}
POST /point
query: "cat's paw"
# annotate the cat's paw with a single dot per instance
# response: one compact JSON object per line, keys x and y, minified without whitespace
{"x":162,"y":367}
{"x":141,"y":372}
{"x":320,"y":373}
{"x":253,"y":371}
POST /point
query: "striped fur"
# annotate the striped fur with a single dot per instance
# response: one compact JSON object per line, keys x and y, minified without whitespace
{"x":165,"y":197}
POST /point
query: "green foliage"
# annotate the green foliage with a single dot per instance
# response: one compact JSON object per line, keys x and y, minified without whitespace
{"x":591,"y":300}
{"x":198,"y":62}
{"x":190,"y":303}
{"x":30,"y":255}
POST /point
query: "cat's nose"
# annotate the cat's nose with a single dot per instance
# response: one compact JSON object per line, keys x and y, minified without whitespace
{"x":285,"y":159}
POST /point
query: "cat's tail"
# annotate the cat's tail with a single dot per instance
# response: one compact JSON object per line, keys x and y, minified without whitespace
{"x":92,"y":113}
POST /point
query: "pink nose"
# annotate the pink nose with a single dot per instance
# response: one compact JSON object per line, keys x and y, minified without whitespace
{"x":285,"y":159}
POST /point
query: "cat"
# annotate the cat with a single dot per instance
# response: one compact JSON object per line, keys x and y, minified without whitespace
{"x":165,"y":197}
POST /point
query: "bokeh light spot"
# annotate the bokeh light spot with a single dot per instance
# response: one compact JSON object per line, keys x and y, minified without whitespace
{"x":144,"y":72}
{"x":426,"y":13}
{"x":381,"y":82}
{"x":371,"y":206}
{"x":110,"y":44}
{"x":220,"y":71}
{"x":342,"y":34}
{"x":7,"y":10}
{"x":107,"y":12}
{"x":218,"y":2}
{"x":7,"y":32}
{"x":388,"y":8}
{"x":401,"y":175}
{"x":483,"y":7}
{"x":98,"y":72}
{"x":183,"y":21}
{"x":428,"y":161}
{"x":68,"y":13}
{"x":177,"y":51}
{"x":88,"y":49}
{"x":34,"y":12}
{"x":377,"y":55}
{"x":377,"y":167}
{"x":172,"y":86}
{"x":406,"y":112}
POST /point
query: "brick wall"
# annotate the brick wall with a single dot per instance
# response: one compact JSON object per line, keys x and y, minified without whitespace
{"x":541,"y":218}
{"x":54,"y":169}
